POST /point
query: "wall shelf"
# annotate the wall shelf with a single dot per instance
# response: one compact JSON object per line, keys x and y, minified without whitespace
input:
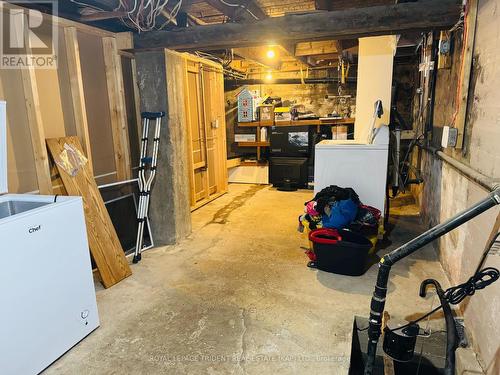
{"x":253,"y":144}
{"x":312,"y":122}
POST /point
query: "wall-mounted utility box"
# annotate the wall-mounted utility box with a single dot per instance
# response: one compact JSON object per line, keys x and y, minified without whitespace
{"x":449,"y":137}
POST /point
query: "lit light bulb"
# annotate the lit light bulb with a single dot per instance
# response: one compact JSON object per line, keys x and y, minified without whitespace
{"x":269,"y":76}
{"x":270,"y":54}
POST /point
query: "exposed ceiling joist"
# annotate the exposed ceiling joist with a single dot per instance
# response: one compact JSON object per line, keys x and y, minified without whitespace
{"x":237,"y":10}
{"x":315,"y":48}
{"x":256,"y":55}
{"x":346,"y":24}
{"x":99,"y":16}
{"x":290,"y":48}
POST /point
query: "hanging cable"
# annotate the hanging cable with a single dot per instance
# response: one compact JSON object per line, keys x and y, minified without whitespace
{"x":480,"y":280}
{"x":240,"y":6}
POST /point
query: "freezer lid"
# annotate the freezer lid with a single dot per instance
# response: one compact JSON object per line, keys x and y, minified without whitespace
{"x":3,"y":148}
{"x":347,"y":145}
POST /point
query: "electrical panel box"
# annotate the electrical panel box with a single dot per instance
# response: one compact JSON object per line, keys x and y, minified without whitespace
{"x":449,"y":137}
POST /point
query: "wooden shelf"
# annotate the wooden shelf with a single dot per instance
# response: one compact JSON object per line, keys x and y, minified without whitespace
{"x":253,"y":144}
{"x":260,"y":163}
{"x":249,"y":124}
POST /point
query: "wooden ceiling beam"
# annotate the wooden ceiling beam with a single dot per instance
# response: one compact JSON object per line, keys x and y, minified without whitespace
{"x":346,"y":4}
{"x":346,"y":24}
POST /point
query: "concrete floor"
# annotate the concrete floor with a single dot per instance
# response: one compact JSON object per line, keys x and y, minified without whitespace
{"x":236,"y":297}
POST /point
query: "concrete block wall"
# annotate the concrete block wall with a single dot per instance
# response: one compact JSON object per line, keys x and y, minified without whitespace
{"x":447,"y":192}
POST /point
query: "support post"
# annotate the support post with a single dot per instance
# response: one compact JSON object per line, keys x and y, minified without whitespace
{"x":35,"y":119}
{"x":161,"y":77}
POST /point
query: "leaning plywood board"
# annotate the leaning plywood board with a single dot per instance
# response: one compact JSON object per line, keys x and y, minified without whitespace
{"x":104,"y":244}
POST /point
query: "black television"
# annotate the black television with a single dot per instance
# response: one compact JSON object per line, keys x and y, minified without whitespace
{"x":290,"y":141}
{"x":288,"y":173}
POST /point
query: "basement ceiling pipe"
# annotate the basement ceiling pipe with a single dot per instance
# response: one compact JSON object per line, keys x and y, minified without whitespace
{"x":487,"y":182}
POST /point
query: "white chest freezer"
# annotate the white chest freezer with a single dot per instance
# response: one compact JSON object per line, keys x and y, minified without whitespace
{"x":47,"y":293}
{"x":347,"y":163}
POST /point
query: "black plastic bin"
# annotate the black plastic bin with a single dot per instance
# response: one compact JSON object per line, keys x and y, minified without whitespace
{"x":340,"y":251}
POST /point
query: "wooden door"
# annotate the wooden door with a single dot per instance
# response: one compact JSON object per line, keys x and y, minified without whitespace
{"x":206,"y":132}
{"x":197,"y":137}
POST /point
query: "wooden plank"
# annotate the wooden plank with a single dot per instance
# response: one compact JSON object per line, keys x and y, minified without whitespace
{"x":99,"y":16}
{"x":466,"y":71}
{"x":231,"y":163}
{"x":118,"y":114}
{"x":77,"y":93}
{"x":347,"y":24}
{"x":124,"y":40}
{"x":137,"y":101}
{"x":203,"y":122}
{"x":189,"y":126}
{"x":315,"y":48}
{"x":103,"y":241}
{"x":35,"y":120}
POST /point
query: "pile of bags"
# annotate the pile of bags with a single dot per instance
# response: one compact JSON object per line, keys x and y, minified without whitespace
{"x":338,"y":208}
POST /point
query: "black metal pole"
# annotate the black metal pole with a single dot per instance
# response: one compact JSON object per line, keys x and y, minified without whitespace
{"x":451,"y":329}
{"x":378,"y":299}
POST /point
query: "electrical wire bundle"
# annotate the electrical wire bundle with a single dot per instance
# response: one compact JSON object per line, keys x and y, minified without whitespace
{"x":143,"y":14}
{"x":480,"y":280}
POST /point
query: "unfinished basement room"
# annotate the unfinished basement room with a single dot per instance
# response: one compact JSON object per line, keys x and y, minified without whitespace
{"x":250,"y":187}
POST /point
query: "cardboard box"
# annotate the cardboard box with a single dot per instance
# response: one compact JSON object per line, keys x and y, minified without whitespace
{"x":282,"y":114}
{"x":266,"y":113}
{"x":340,"y":132}
{"x":244,"y":138}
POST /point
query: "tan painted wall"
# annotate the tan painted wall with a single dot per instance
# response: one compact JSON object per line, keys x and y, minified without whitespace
{"x":375,"y":62}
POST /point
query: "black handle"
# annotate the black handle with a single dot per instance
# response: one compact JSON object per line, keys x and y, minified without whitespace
{"x":152,"y":115}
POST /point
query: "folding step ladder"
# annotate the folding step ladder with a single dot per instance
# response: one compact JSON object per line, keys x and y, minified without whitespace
{"x":146,"y":163}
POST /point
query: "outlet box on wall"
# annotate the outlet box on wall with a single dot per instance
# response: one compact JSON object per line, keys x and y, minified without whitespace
{"x":449,"y":137}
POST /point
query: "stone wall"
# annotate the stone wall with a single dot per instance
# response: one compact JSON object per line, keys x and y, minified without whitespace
{"x":446,"y":191}
{"x":312,"y":96}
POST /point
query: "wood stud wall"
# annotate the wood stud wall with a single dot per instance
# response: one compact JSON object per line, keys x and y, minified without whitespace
{"x":114,"y":82}
{"x":35,"y":123}
{"x":117,"y":106}
{"x":77,"y":93}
